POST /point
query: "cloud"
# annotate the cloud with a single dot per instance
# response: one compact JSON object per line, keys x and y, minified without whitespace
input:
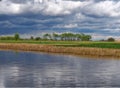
{"x":98,"y":17}
{"x":9,"y":8}
{"x":66,"y":26}
{"x":47,"y":7}
{"x":108,"y":8}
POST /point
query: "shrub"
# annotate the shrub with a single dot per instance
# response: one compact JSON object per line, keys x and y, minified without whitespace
{"x":32,"y":38}
{"x":37,"y":38}
{"x":110,"y":39}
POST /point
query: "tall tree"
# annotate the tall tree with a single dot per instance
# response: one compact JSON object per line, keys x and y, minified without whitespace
{"x":78,"y":37}
{"x":16,"y":36}
{"x":47,"y":36}
{"x":55,"y":36}
{"x":85,"y":37}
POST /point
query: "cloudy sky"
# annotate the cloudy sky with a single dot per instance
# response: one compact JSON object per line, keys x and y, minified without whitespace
{"x":99,"y":18}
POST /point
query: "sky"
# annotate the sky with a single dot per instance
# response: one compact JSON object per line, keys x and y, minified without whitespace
{"x":99,"y":18}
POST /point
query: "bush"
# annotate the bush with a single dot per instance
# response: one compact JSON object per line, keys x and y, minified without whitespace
{"x":111,"y":39}
{"x":7,"y":38}
{"x":32,"y":38}
{"x":37,"y":38}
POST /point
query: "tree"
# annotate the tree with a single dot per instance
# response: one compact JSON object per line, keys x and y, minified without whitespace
{"x":31,"y":37}
{"x":16,"y":36}
{"x":70,"y":36}
{"x":47,"y":36}
{"x":85,"y":37}
{"x":63,"y":36}
{"x":67,"y":37}
{"x":88,"y":37}
{"x":110,"y":39}
{"x":78,"y":36}
{"x":37,"y":38}
{"x":55,"y":36}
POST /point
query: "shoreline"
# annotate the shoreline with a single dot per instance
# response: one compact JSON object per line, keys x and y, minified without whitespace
{"x":81,"y":51}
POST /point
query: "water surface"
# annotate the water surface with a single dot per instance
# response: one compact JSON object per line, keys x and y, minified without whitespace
{"x":40,"y":70}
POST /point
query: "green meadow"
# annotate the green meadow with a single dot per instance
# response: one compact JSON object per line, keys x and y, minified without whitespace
{"x":100,"y":44}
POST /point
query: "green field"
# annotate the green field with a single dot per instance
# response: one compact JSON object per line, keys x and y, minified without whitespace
{"x":114,"y":45}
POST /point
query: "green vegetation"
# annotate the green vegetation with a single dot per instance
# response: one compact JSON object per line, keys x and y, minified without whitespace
{"x":114,"y":45}
{"x":64,"y":39}
{"x":7,"y":38}
{"x":111,"y":39}
{"x":53,"y":36}
{"x":16,"y":36}
{"x":95,"y":44}
{"x":67,"y":37}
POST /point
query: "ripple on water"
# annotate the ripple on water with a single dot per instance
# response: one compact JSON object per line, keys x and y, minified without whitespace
{"x":39,"y":70}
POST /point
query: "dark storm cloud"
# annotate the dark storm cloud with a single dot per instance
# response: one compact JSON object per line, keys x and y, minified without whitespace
{"x":87,"y":16}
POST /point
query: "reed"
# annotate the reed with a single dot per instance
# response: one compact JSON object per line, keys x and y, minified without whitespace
{"x":100,"y":52}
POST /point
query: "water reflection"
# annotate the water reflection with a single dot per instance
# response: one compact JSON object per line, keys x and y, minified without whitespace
{"x":35,"y":70}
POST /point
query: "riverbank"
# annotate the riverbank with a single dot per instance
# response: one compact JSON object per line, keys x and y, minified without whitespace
{"x":99,"y":52}
{"x":92,"y":44}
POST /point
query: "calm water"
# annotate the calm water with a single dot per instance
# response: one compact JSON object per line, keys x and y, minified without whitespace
{"x":38,"y":70}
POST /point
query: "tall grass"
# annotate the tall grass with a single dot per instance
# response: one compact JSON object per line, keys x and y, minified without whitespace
{"x":113,"y":45}
{"x":65,"y":50}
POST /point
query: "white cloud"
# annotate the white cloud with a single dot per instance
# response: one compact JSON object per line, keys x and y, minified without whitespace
{"x":9,"y":8}
{"x":103,"y":8}
{"x":54,"y":9}
{"x":70,"y":25}
{"x":108,"y":8}
{"x":48,"y":7}
{"x":66,"y":25}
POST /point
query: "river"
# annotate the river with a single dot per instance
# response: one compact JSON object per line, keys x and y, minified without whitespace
{"x":42,"y":70}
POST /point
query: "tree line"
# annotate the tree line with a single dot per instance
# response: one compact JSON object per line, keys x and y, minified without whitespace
{"x":15,"y":37}
{"x":64,"y":37}
{"x":53,"y":36}
{"x":56,"y":37}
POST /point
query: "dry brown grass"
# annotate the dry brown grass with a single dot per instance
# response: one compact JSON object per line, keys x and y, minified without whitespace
{"x":66,"y":50}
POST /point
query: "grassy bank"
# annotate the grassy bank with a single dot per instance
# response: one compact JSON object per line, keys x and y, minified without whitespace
{"x":99,"y":52}
{"x":112,"y":45}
